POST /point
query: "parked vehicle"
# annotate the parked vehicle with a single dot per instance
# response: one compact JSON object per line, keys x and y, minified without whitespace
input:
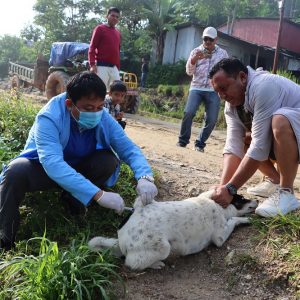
{"x":66,"y":59}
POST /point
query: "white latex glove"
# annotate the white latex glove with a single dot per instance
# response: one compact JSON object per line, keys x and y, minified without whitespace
{"x":146,"y":191}
{"x":112,"y":200}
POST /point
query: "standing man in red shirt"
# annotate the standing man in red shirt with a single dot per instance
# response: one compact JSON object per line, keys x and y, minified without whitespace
{"x":104,"y":52}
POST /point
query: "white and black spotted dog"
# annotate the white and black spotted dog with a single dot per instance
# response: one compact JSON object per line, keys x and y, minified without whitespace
{"x":182,"y":227}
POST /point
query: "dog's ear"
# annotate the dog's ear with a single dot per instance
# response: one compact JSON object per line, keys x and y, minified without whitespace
{"x":239,"y":201}
{"x":207,"y":194}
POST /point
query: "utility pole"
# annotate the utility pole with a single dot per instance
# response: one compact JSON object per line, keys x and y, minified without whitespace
{"x":281,"y":14}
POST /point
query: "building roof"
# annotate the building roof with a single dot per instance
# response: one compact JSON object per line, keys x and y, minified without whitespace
{"x":264,"y":32}
{"x":224,"y":35}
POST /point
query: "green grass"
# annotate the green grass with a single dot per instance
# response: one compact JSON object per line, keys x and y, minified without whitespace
{"x":53,"y":273}
{"x":280,"y":237}
{"x":16,"y":117}
{"x":57,"y":265}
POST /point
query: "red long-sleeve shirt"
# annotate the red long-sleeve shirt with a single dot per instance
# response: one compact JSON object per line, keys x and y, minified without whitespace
{"x":105,"y":46}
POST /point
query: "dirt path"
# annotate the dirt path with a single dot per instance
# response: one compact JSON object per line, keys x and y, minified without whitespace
{"x":206,"y":275}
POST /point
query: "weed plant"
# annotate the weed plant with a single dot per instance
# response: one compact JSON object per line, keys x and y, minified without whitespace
{"x":58,"y":266}
{"x":281,"y":235}
{"x":288,"y":75}
{"x":167,"y":74}
{"x":16,"y":117}
{"x":53,"y":273}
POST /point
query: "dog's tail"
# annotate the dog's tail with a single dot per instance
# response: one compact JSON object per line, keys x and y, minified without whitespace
{"x":101,"y":243}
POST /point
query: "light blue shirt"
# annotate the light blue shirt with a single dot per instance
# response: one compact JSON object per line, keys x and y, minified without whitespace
{"x":49,"y":136}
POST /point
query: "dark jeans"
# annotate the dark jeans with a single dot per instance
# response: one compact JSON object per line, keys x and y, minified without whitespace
{"x":143,"y":79}
{"x":212,"y":106}
{"x":24,"y":175}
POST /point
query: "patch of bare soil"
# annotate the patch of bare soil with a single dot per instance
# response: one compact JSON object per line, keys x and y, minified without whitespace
{"x":237,"y":270}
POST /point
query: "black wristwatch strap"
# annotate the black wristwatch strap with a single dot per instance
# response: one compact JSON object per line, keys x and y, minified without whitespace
{"x":231,"y":189}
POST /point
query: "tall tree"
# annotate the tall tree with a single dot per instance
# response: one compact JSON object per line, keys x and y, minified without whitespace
{"x":66,"y":20}
{"x":13,"y":48}
{"x":135,"y":38}
{"x":216,"y":12}
{"x":161,"y":16}
{"x":10,"y":48}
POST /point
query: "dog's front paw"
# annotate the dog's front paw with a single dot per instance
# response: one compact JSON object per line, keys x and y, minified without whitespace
{"x":157,"y":265}
{"x":243,"y":220}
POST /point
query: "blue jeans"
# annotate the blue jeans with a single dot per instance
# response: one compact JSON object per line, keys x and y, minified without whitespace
{"x":212,"y":106}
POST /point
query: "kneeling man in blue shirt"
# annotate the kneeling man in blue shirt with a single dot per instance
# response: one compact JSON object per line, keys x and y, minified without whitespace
{"x":76,"y":145}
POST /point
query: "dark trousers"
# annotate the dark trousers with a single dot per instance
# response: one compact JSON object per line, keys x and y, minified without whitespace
{"x":23,"y":175}
{"x":122,"y":123}
{"x":143,"y":79}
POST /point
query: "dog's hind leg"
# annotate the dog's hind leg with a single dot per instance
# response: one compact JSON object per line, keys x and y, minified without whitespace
{"x":223,"y":233}
{"x":148,"y":258}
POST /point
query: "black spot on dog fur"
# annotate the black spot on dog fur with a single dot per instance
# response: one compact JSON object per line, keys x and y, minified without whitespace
{"x":135,"y":238}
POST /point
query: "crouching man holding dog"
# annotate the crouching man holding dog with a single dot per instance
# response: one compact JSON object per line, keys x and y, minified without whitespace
{"x":272,"y":104}
{"x":76,"y":145}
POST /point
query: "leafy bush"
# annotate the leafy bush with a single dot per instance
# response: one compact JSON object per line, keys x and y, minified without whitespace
{"x":171,"y":90}
{"x":16,"y":117}
{"x":169,"y":100}
{"x":171,"y":74}
{"x":73,"y":273}
{"x":288,"y":75}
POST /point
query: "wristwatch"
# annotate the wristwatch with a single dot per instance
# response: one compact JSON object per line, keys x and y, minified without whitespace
{"x":231,"y":189}
{"x":147,"y":177}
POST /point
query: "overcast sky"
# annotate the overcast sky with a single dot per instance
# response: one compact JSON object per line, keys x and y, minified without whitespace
{"x":14,"y":15}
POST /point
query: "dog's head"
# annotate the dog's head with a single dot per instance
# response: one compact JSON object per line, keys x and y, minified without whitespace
{"x":239,"y":205}
{"x":243,"y":206}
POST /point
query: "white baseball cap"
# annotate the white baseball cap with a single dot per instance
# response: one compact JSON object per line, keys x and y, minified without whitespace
{"x":210,"y":32}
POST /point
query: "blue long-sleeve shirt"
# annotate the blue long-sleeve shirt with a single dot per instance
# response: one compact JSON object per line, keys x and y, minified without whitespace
{"x":49,"y":137}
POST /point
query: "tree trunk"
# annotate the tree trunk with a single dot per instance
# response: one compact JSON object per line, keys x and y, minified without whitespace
{"x":237,"y":2}
{"x":228,"y":24}
{"x":160,"y":48}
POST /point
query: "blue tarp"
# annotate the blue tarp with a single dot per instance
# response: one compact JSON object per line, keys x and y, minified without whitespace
{"x":62,"y":51}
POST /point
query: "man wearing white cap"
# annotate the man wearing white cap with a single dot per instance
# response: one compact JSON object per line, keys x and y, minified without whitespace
{"x":199,"y":64}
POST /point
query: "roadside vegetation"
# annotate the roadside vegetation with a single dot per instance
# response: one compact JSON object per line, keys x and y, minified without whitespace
{"x":279,"y":240}
{"x":167,"y":99}
{"x":51,"y":257}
